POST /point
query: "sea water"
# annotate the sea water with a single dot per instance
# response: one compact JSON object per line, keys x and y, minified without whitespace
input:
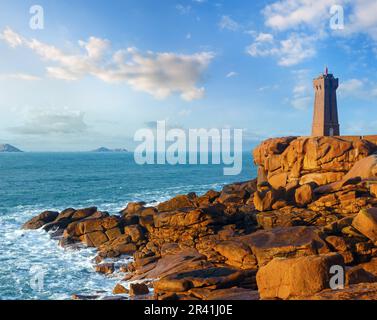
{"x":33,"y":182}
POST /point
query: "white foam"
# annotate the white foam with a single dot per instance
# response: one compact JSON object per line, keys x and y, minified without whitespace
{"x":68,"y":271}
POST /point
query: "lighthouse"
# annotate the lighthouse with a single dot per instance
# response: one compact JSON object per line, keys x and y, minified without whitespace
{"x":325,"y":118}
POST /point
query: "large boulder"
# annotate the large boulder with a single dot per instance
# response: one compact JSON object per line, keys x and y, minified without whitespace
{"x":178,"y":260}
{"x":94,"y":239}
{"x":358,"y":274}
{"x":270,"y":147}
{"x":321,"y":178}
{"x":113,"y":233}
{"x":82,"y":227}
{"x":278,"y":180}
{"x":178,"y":202}
{"x":138,"y":289}
{"x":120,"y":289}
{"x":286,"y":218}
{"x":121,"y":245}
{"x":135,"y":232}
{"x":304,"y":195}
{"x":132,"y":208}
{"x":105,"y":268}
{"x":185,"y":226}
{"x":370,"y":266}
{"x":363,"y":169}
{"x":208,"y":198}
{"x":265,"y":200}
{"x":181,"y":218}
{"x":237,"y":254}
{"x":284,"y":242}
{"x":366,"y":223}
{"x":40,"y":220}
{"x":285,"y":278}
{"x":217,"y":277}
{"x":83,"y":213}
{"x":71,"y":215}
{"x":339,"y":244}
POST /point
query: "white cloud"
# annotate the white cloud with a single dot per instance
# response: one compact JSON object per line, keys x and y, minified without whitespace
{"x":269,"y":87}
{"x":95,"y":47}
{"x":363,"y":18}
{"x":315,"y":14}
{"x":185,"y":112}
{"x":296,"y":49}
{"x":264,"y":37}
{"x":287,"y":14}
{"x":290,"y":51}
{"x":352,"y":85}
{"x":302,"y":103}
{"x":302,"y":91}
{"x":194,"y":94}
{"x":228,"y":23}
{"x":309,"y":23}
{"x":19,"y":76}
{"x":183,"y":9}
{"x":52,"y":121}
{"x":361,"y":127}
{"x":159,"y":74}
{"x":231,"y":74}
{"x":12,"y":38}
{"x":359,"y":88}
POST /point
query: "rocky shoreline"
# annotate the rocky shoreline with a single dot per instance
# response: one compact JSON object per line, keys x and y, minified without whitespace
{"x":313,"y":206}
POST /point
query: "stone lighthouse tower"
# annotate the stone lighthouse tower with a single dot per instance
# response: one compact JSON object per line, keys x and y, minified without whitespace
{"x":325,"y":119}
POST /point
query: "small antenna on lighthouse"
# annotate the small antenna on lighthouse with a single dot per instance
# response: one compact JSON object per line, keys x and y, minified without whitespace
{"x":327,"y":71}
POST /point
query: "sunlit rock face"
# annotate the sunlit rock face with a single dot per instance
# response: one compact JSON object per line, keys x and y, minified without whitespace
{"x":292,"y":161}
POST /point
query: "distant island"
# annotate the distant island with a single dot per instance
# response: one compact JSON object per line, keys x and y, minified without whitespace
{"x":8,"y":148}
{"x":103,"y":150}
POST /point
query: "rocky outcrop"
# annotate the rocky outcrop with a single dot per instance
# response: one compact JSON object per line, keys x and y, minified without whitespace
{"x":366,"y":223}
{"x":40,"y":220}
{"x":214,"y":278}
{"x":284,"y":242}
{"x":319,"y":173}
{"x":8,"y":148}
{"x":119,"y":289}
{"x":292,"y":161}
{"x":311,"y":207}
{"x":285,"y":278}
{"x":138,"y":289}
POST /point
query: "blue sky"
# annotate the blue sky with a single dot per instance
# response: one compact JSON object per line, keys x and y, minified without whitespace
{"x":101,"y":70}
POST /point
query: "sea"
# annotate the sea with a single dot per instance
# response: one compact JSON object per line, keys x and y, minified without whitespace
{"x":32,"y":265}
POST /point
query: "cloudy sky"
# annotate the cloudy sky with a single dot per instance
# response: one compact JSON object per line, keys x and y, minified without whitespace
{"x":101,"y":70}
